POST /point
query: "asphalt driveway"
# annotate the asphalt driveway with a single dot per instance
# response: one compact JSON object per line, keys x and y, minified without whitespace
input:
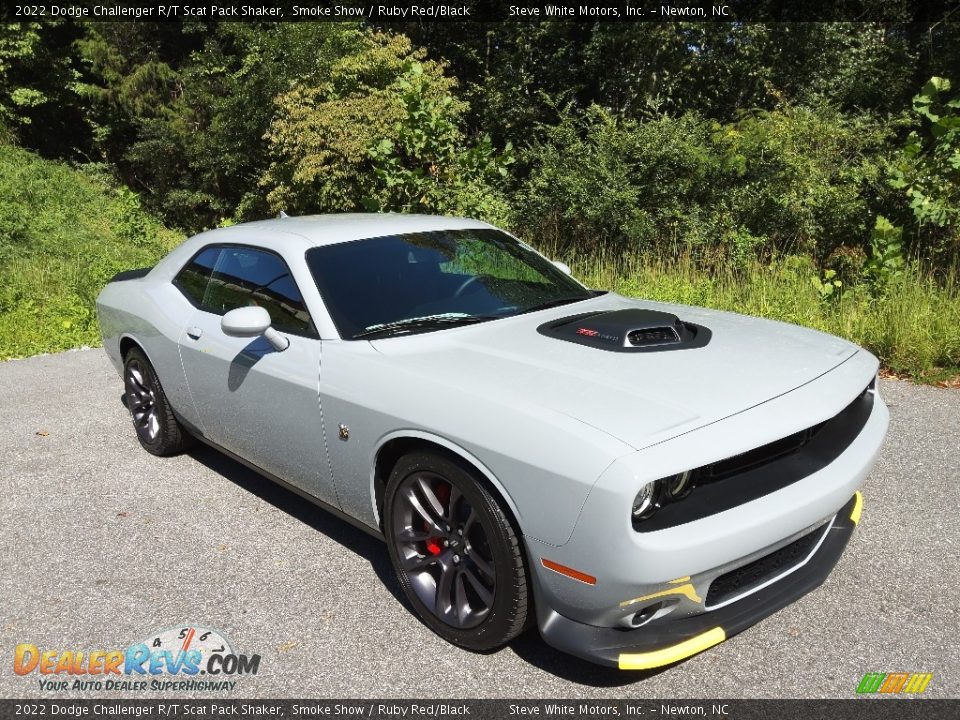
{"x":103,"y":545}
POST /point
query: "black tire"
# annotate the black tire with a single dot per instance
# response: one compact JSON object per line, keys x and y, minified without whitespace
{"x":157,"y":429}
{"x":424,"y":553}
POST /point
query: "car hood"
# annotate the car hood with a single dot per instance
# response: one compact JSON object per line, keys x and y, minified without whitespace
{"x":639,"y":398}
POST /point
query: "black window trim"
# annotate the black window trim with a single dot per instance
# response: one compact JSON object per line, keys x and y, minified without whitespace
{"x":312,"y":333}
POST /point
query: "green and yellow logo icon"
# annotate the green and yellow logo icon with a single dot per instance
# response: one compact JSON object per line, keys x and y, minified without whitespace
{"x":894,"y":683}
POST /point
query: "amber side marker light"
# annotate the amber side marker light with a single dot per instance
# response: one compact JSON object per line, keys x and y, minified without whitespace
{"x":568,"y":571}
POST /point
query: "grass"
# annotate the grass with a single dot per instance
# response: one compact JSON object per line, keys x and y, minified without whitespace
{"x":913,"y":325}
{"x":63,"y":234}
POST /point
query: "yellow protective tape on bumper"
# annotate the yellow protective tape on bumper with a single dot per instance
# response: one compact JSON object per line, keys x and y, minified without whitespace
{"x":659,"y":658}
{"x":857,"y":507}
{"x":687,"y":590}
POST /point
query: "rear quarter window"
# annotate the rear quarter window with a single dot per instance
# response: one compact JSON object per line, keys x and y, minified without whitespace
{"x":193,"y":279}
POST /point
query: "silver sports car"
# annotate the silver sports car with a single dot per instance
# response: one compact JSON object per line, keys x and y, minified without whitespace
{"x":642,"y":480}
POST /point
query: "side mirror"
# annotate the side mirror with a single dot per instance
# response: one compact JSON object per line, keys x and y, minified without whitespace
{"x":562,"y":265}
{"x":245,"y":322}
{"x":252,"y":321}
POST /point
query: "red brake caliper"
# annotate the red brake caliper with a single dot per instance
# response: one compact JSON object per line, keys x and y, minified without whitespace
{"x":435,"y":544}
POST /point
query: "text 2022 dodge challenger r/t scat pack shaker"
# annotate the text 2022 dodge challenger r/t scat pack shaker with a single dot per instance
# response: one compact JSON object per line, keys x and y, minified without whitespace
{"x":642,"y":480}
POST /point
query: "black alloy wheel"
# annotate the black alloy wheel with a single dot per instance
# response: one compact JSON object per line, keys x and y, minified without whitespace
{"x":455,"y":552}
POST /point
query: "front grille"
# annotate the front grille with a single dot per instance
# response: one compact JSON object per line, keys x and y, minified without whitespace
{"x":752,"y":575}
{"x":761,"y":455}
{"x":742,"y":478}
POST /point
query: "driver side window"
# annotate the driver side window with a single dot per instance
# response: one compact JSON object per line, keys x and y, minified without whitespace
{"x":220,"y":279}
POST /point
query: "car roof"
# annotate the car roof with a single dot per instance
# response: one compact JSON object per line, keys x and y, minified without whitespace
{"x":316,"y":230}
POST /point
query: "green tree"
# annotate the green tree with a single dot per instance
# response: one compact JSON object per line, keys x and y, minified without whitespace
{"x":18,"y":46}
{"x":181,"y":111}
{"x":427,"y":166}
{"x":928,"y":171}
{"x":38,"y":105}
{"x":382,"y":131}
{"x":789,"y":180}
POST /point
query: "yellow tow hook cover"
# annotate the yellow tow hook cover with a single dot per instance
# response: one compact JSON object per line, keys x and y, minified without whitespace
{"x":857,"y":507}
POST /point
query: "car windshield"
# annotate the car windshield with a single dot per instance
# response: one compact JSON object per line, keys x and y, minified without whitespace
{"x":418,"y":282}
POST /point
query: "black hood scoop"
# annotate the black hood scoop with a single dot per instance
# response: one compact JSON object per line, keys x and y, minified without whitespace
{"x":631,"y":330}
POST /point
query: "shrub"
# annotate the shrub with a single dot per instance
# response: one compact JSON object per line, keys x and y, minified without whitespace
{"x":382,"y":132}
{"x":928,"y":169}
{"x":63,"y":234}
{"x":795,"y":179}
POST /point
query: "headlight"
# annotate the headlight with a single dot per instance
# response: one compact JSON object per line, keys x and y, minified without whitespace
{"x":643,"y":504}
{"x":679,"y":486}
{"x":655,"y":494}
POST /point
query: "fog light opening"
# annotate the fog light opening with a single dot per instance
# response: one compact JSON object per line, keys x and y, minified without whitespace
{"x":646,"y":614}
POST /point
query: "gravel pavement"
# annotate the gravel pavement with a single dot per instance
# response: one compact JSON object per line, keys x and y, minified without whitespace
{"x":103,"y":544}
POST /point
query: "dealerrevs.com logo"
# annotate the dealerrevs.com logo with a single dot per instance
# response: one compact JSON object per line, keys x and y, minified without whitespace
{"x":179,"y":659}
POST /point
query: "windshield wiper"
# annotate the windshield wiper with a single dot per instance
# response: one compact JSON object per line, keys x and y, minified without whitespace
{"x":430,"y":321}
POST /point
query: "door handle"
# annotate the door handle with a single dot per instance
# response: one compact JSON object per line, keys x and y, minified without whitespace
{"x":194,"y":332}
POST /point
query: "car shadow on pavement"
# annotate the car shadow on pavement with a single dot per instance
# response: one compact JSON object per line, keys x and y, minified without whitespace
{"x":352,"y":538}
{"x":529,"y":646}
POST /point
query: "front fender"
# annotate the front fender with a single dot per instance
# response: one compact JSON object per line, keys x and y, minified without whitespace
{"x":411,"y":433}
{"x":543,"y":463}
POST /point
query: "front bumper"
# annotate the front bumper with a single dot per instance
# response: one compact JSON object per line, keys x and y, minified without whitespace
{"x":659,"y":644}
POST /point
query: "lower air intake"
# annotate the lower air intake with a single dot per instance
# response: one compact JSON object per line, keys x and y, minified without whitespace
{"x":743,"y":580}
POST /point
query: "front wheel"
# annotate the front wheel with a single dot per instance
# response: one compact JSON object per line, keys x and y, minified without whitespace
{"x":455,"y":552}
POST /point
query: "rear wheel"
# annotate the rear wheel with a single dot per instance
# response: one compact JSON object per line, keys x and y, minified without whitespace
{"x":455,"y":551}
{"x":157,"y":429}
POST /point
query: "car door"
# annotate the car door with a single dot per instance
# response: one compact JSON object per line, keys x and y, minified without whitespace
{"x":257,"y":402}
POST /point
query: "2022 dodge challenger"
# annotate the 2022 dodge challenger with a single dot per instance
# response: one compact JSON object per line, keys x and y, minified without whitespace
{"x":641,"y":480}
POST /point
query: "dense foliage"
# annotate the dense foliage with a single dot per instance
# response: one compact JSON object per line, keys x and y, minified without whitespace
{"x":733,"y":145}
{"x":796,"y":179}
{"x":63,"y":234}
{"x":755,"y":137}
